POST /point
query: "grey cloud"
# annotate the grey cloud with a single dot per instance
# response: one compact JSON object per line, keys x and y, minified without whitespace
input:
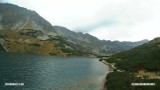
{"x":98,"y":24}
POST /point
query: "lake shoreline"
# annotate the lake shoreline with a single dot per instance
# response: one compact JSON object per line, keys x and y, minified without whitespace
{"x":48,"y":54}
{"x":110,"y":66}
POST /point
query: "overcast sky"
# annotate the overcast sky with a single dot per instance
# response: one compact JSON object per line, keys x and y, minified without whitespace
{"x":124,"y":20}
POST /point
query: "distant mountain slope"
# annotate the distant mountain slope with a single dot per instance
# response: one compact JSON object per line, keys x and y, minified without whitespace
{"x":92,"y":44}
{"x":146,"y":56}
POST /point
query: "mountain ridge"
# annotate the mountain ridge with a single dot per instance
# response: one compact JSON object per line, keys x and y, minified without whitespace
{"x":102,"y":45}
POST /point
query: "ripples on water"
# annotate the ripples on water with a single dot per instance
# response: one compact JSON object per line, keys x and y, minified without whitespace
{"x":39,"y":72}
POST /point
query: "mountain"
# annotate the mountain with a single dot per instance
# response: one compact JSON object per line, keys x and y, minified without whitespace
{"x":13,"y":17}
{"x":23,"y":30}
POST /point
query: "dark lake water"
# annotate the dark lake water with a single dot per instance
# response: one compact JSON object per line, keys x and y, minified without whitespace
{"x":39,"y":72}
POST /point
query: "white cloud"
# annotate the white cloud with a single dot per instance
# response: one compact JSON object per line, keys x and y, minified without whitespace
{"x":137,"y":20}
{"x":112,"y":33}
{"x":106,"y":19}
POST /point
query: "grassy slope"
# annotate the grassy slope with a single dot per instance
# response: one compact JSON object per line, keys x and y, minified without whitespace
{"x":15,"y":42}
{"x":18,"y":41}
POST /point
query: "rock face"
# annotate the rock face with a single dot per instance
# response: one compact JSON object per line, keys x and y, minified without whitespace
{"x":23,"y":30}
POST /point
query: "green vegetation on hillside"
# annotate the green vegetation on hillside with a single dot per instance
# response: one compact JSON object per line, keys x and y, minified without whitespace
{"x":146,"y":57}
{"x":138,"y":65}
